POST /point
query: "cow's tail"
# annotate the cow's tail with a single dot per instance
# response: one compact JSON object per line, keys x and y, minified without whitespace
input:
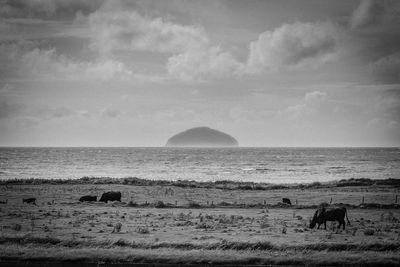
{"x":345,"y":212}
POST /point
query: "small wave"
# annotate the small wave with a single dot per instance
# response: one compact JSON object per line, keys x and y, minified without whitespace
{"x":265,"y":170}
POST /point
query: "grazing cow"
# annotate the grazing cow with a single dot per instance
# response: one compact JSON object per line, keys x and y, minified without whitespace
{"x":111,"y":196}
{"x":4,"y":202}
{"x":88,"y":198}
{"x":323,"y":214}
{"x":286,"y":201}
{"x":30,"y":200}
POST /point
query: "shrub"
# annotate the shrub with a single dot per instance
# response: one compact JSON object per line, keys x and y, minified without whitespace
{"x":193,"y":204}
{"x":160,"y":204}
{"x":132,"y":204}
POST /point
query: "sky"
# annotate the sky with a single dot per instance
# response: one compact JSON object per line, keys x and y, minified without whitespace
{"x":134,"y":73}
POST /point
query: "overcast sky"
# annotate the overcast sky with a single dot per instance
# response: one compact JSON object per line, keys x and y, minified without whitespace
{"x":133,"y":73}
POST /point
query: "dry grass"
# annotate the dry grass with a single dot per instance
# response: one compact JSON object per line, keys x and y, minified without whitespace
{"x":195,"y":256}
{"x":146,"y":226}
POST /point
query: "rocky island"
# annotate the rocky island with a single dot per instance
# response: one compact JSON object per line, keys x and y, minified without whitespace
{"x":202,"y":137}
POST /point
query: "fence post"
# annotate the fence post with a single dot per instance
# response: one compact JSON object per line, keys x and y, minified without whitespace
{"x":330,"y":201}
{"x":363,"y":200}
{"x":396,"y":199}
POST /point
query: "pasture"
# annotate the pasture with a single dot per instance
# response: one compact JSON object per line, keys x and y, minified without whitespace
{"x":194,"y":225}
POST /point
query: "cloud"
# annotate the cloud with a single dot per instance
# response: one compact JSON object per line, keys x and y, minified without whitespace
{"x":313,"y":104}
{"x":293,"y":45}
{"x":110,"y":112}
{"x":8,"y":109}
{"x":128,"y":30}
{"x":367,"y":14}
{"x":386,"y":69}
{"x":47,"y":64}
{"x":47,"y":9}
{"x":191,"y":56}
{"x":25,"y":60}
{"x":196,"y":65}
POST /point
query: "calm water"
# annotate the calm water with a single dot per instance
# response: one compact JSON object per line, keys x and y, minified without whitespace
{"x":274,"y":165}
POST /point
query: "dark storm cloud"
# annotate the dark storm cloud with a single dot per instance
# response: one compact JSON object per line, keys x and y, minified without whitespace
{"x":47,"y":9}
{"x":376,"y":36}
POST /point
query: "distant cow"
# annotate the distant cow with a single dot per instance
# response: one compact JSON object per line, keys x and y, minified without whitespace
{"x":286,"y":201}
{"x":88,"y":198}
{"x":111,"y":196}
{"x":323,"y":214}
{"x":4,"y":201}
{"x":30,"y":200}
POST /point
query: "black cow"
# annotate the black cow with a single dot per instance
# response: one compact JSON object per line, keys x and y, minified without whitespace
{"x":30,"y":200}
{"x":111,"y":196}
{"x":88,"y":198}
{"x":323,"y":214}
{"x":286,"y":201}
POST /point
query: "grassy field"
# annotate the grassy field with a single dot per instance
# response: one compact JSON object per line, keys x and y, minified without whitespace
{"x":171,"y":223}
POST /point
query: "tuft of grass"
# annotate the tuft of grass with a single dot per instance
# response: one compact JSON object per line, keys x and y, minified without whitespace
{"x":159,"y":204}
{"x":142,"y":230}
{"x":132,"y":204}
{"x":16,"y":227}
{"x":369,"y":231}
{"x":193,"y":204}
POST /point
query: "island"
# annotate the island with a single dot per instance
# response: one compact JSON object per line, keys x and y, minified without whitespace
{"x":202,"y":137}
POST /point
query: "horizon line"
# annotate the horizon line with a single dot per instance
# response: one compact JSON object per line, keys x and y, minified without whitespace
{"x":200,"y":147}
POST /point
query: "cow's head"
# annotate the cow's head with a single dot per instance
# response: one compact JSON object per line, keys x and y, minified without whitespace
{"x":317,"y":215}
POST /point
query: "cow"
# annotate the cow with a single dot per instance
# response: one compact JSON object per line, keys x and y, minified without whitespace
{"x":30,"y":200}
{"x":4,"y":201}
{"x":110,"y":196}
{"x":286,"y":201}
{"x":324,"y":214}
{"x":88,"y":198}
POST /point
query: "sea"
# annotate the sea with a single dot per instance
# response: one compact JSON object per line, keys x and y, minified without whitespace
{"x":269,"y":165}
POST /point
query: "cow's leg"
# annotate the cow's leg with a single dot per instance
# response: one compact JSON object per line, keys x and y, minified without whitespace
{"x":325,"y":224}
{"x":318,"y":225}
{"x":344,"y":224}
{"x":340,"y":223}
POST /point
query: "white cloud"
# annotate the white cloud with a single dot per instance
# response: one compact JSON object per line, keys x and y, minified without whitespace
{"x":192,"y":57}
{"x":128,"y":30}
{"x":47,"y":64}
{"x":207,"y":63}
{"x":368,"y":13}
{"x":312,"y":104}
{"x":291,"y":45}
{"x":25,"y":60}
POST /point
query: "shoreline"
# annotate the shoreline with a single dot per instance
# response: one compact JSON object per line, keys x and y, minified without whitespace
{"x":222,"y":184}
